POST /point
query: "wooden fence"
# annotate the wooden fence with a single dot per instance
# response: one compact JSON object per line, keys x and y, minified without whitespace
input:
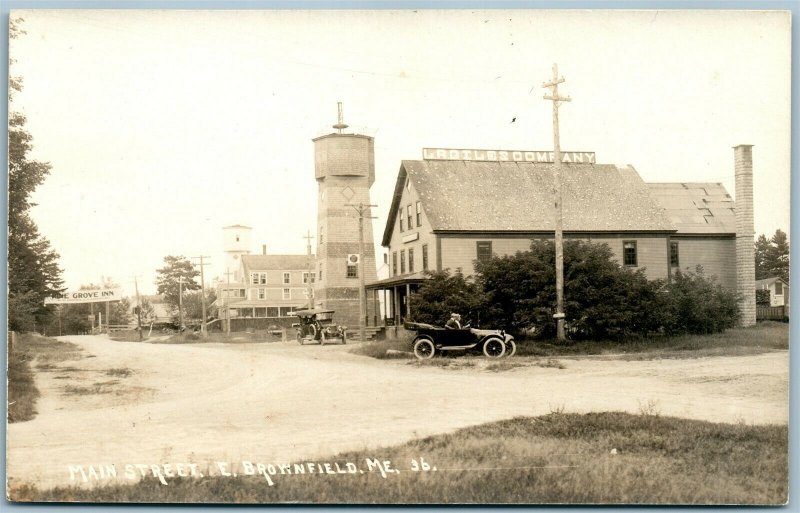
{"x":773,"y":313}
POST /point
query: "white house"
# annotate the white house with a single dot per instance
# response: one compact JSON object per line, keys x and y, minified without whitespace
{"x":778,"y":290}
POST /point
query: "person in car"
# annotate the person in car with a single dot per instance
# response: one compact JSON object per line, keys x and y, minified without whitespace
{"x":454,"y":323}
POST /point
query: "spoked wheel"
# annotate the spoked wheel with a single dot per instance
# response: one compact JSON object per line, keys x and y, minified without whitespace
{"x":494,"y":348}
{"x":424,"y":349}
{"x":511,"y":348}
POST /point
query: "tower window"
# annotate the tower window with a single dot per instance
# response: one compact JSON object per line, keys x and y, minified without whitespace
{"x":408,"y":213}
{"x":629,"y":256}
{"x":424,"y":257}
{"x":419,"y":214}
{"x":411,"y":260}
{"x":352,"y":271}
{"x":402,"y":261}
{"x":401,"y":220}
{"x":394,"y":263}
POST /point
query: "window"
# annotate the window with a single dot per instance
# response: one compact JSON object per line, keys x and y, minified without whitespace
{"x":287,"y":278}
{"x":287,"y":294}
{"x":272,"y":311}
{"x":254,"y":277}
{"x":419,"y":213}
{"x":629,"y":253}
{"x":320,"y":273}
{"x":401,"y":220}
{"x":778,"y":288}
{"x":285,"y":311}
{"x":262,"y":293}
{"x":424,"y":257}
{"x":321,"y":234}
{"x":483,"y":249}
{"x":673,"y":254}
{"x":410,"y":221}
{"x":306,"y":277}
{"x":394,"y":263}
{"x":352,"y":271}
{"x":403,"y":261}
{"x":411,"y":260}
{"x":263,"y":278}
{"x":261,"y":312}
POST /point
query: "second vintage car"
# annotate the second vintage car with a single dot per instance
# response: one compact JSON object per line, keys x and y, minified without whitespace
{"x":431,"y":340}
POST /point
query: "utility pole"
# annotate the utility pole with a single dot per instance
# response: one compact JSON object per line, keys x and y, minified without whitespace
{"x":309,"y":287}
{"x":227,"y":303}
{"x":180,"y":304}
{"x":138,"y":307}
{"x":363,"y":211}
{"x":203,"y":292}
{"x":559,"y":235}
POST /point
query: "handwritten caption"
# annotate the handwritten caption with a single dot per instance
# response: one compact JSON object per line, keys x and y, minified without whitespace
{"x":267,"y":471}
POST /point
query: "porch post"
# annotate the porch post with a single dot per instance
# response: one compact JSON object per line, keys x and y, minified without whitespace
{"x":408,"y":303}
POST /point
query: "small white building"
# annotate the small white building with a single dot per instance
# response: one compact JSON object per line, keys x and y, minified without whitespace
{"x":778,"y":290}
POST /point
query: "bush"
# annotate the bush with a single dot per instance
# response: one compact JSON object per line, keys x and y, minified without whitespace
{"x":763,"y":297}
{"x":444,"y":293}
{"x":698,"y":305}
{"x":602,"y":298}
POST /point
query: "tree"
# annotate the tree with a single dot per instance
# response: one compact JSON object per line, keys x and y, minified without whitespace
{"x":147,"y":312}
{"x":772,"y":256}
{"x":167,"y":282}
{"x":193,"y":304}
{"x":444,"y":293}
{"x":33,"y":271}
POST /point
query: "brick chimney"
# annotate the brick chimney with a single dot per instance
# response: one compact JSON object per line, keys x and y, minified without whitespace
{"x":745,"y":232}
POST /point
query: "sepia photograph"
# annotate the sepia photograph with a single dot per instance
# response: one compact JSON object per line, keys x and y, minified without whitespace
{"x":469,"y":257}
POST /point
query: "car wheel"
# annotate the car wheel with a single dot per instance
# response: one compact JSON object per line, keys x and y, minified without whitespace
{"x":424,"y":349}
{"x":511,"y":348}
{"x":494,"y":348}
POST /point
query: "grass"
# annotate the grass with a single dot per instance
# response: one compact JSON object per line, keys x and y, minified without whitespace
{"x":385,"y":349}
{"x":764,"y":337}
{"x":610,"y":458}
{"x":22,"y":391}
{"x":122,"y":372}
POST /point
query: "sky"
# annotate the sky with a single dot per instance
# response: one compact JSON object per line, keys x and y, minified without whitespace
{"x":164,"y":126}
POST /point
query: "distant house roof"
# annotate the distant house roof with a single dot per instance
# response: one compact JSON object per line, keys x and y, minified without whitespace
{"x":275,"y":262}
{"x":698,"y":208}
{"x":766,"y":282}
{"x":517,"y":196}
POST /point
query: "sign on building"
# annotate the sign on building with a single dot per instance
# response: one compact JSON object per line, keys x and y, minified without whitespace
{"x":86,"y":296}
{"x":567,"y":157}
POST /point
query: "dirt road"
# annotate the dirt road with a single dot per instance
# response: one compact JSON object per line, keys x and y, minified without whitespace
{"x":150,"y":403}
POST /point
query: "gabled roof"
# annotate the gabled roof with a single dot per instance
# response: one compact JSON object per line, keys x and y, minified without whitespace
{"x":769,"y":281}
{"x":698,"y":208}
{"x":517,"y":196}
{"x":275,"y":262}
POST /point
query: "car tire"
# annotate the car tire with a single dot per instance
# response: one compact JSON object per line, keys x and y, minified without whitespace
{"x":424,"y":349}
{"x":494,"y":347}
{"x":511,"y":348}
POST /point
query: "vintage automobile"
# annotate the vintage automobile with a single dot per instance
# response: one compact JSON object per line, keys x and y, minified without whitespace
{"x":432,"y":339}
{"x":317,"y":326}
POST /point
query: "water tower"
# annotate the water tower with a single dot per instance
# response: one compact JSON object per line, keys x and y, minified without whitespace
{"x":235,"y":243}
{"x":344,"y":166}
